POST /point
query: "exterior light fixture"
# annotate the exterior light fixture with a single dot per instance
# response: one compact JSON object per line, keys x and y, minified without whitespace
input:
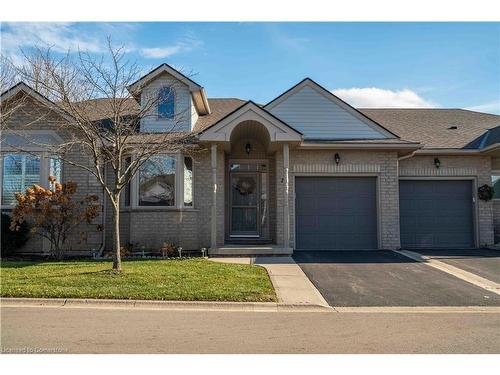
{"x":248,"y":148}
{"x":337,"y":159}
{"x":437,"y":163}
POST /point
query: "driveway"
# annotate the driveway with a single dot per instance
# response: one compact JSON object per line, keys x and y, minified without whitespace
{"x":481,"y":262}
{"x":386,"y":278}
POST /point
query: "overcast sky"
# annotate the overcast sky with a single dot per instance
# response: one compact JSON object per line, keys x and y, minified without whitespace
{"x":450,"y":65}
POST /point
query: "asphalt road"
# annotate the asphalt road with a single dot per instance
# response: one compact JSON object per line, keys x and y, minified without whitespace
{"x":386,"y":278}
{"x":84,"y":330}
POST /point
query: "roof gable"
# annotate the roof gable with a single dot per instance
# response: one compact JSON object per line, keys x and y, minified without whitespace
{"x":197,"y":91}
{"x":222,"y":129}
{"x":23,"y":88}
{"x":319,"y":114}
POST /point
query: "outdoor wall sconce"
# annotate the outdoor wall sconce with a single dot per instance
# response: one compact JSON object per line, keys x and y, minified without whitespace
{"x":248,"y":148}
{"x":437,"y":163}
{"x":337,"y":159}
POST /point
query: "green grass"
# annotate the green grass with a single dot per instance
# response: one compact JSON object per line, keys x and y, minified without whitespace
{"x":181,"y":280}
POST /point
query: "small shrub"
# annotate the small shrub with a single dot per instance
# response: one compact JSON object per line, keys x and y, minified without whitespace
{"x":126,"y":250}
{"x":169,"y":250}
{"x":12,"y":240}
{"x":54,"y":212}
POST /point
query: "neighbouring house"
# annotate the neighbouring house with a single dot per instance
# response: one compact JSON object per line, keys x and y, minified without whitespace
{"x":305,"y":171}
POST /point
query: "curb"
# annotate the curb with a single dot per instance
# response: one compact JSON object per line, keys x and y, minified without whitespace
{"x":418,"y":309}
{"x":161,"y":305}
{"x":232,"y":306}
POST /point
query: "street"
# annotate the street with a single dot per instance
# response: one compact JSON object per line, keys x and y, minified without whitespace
{"x":95,"y":330}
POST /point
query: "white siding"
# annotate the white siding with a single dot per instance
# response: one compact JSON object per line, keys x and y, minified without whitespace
{"x":182,"y":106}
{"x":318,"y":117}
{"x":194,"y":114}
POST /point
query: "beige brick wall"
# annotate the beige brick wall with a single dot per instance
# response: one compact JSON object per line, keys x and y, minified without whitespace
{"x":189,"y":227}
{"x":380,"y":164}
{"x":476,"y":167}
{"x":84,"y":238}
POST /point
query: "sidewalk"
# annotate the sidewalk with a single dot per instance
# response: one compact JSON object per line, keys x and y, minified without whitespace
{"x":292,"y":286}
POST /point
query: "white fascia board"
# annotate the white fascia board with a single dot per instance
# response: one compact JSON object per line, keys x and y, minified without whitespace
{"x":491,"y":148}
{"x":334,"y":145}
{"x":448,"y":151}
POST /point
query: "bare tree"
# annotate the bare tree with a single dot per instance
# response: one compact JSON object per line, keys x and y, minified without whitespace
{"x":8,"y":78}
{"x":108,"y":134}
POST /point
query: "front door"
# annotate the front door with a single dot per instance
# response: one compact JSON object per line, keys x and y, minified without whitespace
{"x":244,"y":204}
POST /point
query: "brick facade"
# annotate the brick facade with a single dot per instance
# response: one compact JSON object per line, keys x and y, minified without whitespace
{"x":86,"y":238}
{"x":477,"y":168}
{"x":191,"y":228}
{"x":383,"y":165}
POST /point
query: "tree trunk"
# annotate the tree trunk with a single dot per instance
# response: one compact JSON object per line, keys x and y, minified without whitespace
{"x":117,"y":261}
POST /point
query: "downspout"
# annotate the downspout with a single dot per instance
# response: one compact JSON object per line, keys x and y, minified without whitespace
{"x":103,"y":239}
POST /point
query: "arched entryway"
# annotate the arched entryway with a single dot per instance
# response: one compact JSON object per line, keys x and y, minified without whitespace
{"x":250,"y":208}
{"x":255,"y":148}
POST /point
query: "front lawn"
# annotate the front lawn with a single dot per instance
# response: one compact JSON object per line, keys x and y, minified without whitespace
{"x":180,"y":279}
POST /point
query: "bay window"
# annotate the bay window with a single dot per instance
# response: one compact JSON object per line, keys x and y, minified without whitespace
{"x":163,"y":181}
{"x":188,"y":181}
{"x":157,"y":181}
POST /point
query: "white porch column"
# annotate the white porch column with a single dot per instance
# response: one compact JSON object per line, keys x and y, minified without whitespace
{"x":286,"y":208}
{"x":213,"y":233}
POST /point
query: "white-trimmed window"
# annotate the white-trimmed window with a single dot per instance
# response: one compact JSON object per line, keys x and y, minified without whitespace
{"x":20,"y":171}
{"x":188,"y":181}
{"x":157,"y":182}
{"x":166,"y":103}
{"x":164,"y":181}
{"x":24,"y":162}
{"x":495,"y":182}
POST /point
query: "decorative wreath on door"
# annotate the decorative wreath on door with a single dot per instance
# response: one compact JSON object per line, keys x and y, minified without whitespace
{"x":485,"y":192}
{"x":245,"y":185}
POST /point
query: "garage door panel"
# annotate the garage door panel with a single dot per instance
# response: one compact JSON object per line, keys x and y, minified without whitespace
{"x":308,"y":223}
{"x":340,"y":215}
{"x":436,"y":213}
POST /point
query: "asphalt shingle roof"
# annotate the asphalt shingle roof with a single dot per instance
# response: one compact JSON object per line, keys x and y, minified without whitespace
{"x":219,"y":107}
{"x":434,"y":128}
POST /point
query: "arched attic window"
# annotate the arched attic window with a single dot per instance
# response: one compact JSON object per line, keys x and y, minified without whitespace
{"x":166,"y":103}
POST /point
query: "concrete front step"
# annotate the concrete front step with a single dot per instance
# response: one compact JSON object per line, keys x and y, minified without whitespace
{"x":252,"y":250}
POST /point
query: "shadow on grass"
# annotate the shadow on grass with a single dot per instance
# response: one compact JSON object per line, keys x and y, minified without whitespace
{"x":16,"y":263}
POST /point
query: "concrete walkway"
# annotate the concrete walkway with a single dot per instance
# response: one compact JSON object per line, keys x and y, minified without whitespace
{"x":292,"y":286}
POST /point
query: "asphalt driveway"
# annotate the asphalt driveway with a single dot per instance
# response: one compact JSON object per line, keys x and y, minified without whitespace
{"x":481,"y":262}
{"x":386,"y":278}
